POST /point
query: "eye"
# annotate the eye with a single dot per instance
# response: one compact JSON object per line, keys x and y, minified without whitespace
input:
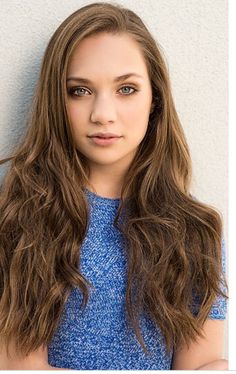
{"x":128,"y":87}
{"x":80,"y":90}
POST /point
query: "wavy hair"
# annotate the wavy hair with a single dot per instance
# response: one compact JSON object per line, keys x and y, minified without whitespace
{"x":173,"y":241}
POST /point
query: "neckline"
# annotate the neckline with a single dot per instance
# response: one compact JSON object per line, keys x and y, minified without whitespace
{"x":101,"y":199}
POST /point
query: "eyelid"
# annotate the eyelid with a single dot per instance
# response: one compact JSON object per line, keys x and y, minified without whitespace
{"x":122,"y":85}
{"x":129,"y":85}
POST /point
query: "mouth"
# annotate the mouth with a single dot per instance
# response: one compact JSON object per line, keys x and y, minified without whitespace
{"x":105,"y":134}
{"x":104,"y":137}
{"x":104,"y":140}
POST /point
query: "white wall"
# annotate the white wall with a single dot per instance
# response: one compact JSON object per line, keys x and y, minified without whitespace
{"x":193,"y":35}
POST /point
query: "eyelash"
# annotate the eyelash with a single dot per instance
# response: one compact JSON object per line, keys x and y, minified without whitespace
{"x":73,"y":89}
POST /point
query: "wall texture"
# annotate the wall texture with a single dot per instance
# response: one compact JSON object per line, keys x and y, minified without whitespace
{"x":193,"y":36}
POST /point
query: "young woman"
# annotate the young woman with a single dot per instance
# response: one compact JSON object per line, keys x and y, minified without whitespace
{"x":107,"y":260}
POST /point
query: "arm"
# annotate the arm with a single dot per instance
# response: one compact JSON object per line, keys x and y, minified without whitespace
{"x":37,"y":360}
{"x":204,"y":354}
{"x":221,"y":364}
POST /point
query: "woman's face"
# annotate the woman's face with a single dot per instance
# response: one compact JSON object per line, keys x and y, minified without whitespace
{"x":98,"y":101}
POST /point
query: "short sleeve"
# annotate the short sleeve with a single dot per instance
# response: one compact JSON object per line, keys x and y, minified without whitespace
{"x":219,"y":307}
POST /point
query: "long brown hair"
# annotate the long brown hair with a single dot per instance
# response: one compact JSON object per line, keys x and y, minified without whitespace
{"x":173,"y":240}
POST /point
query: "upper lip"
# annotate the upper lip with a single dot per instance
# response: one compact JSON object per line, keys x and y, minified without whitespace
{"x":104,"y":135}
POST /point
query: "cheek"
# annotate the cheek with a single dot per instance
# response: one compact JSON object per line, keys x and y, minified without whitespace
{"x":73,"y":111}
{"x":76,"y":116}
{"x":136,"y":115}
{"x":139,"y":105}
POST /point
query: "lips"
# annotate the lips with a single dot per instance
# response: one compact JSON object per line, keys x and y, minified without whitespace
{"x":104,"y":135}
{"x":105,"y":141}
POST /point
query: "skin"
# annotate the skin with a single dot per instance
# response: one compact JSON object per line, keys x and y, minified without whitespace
{"x":105,"y":106}
{"x":206,"y":353}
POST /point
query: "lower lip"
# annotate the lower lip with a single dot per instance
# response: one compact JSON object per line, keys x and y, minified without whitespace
{"x":104,"y":141}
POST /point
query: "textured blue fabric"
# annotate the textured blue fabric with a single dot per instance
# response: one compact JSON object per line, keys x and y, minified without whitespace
{"x":99,"y":338}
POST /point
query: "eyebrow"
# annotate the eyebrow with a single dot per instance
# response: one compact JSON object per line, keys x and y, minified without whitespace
{"x":117,"y":79}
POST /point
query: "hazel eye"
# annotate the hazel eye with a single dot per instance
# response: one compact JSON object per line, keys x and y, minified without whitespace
{"x":129,"y":88}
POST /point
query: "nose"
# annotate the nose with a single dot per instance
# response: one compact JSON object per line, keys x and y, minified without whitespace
{"x":103,"y":110}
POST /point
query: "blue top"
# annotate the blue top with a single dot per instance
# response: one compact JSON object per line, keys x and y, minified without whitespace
{"x":99,"y":337}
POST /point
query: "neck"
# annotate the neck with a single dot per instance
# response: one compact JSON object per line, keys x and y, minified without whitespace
{"x":106,"y":182}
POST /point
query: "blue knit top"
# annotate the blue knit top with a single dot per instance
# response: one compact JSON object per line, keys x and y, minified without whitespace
{"x":99,"y":337}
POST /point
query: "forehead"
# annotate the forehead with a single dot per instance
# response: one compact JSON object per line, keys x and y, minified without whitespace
{"x":108,"y":54}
